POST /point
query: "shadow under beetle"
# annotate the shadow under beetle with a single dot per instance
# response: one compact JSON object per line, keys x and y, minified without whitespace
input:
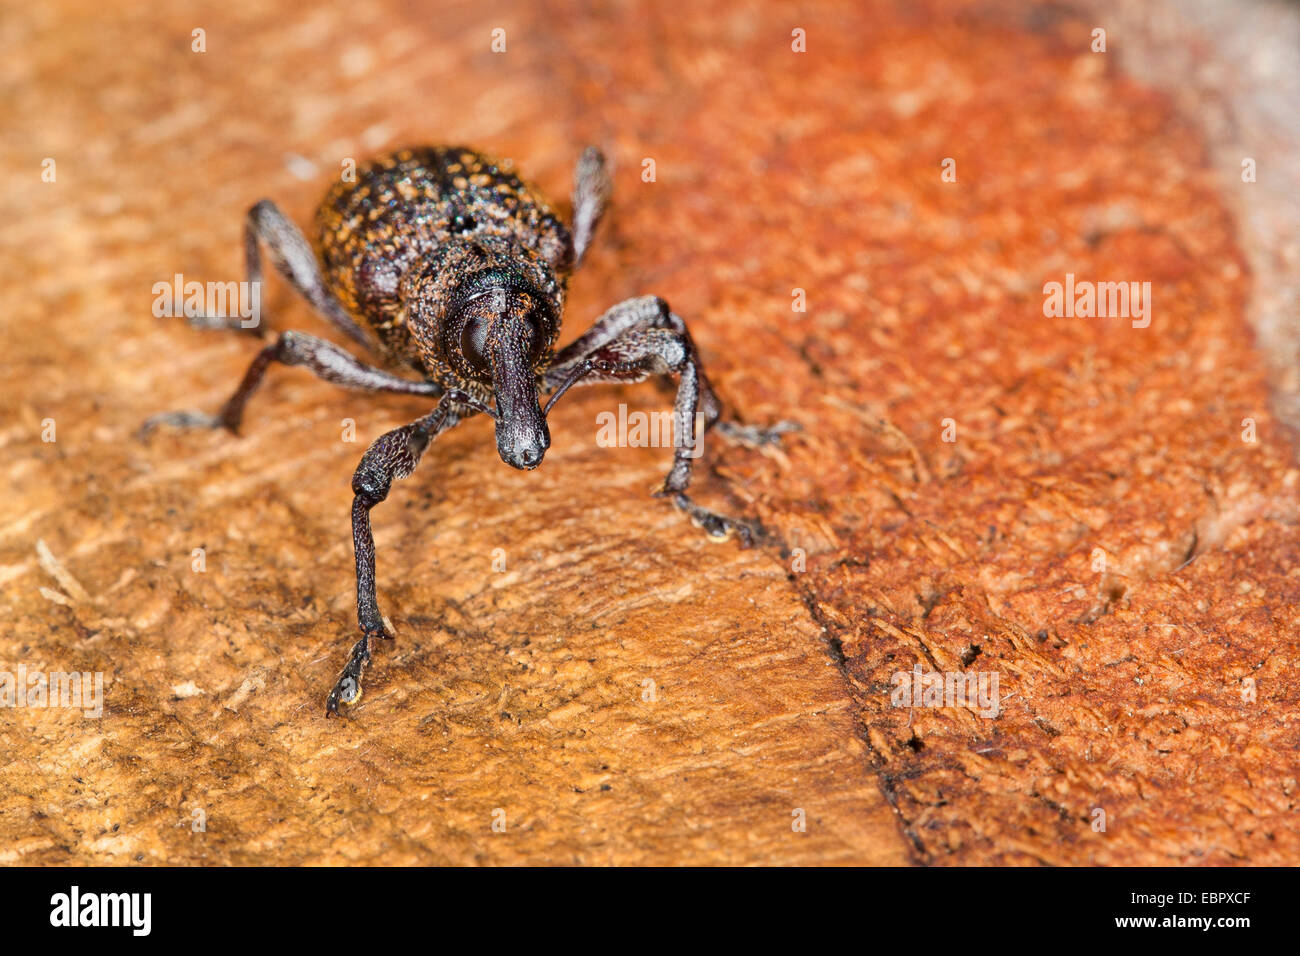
{"x":457,"y":271}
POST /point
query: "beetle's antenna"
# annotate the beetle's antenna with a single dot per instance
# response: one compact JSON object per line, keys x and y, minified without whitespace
{"x":464,"y":398}
{"x":581,"y":369}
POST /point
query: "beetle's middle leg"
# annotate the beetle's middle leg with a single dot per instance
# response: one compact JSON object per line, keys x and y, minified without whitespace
{"x":390,"y":457}
{"x":324,"y":359}
{"x":591,"y":189}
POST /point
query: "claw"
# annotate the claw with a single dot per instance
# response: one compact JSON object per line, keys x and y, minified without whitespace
{"x":225,"y":323}
{"x":755,"y":436}
{"x":347,"y":690}
{"x":718,"y":527}
{"x":182,"y":419}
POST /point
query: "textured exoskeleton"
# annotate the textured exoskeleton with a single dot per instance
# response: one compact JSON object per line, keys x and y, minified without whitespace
{"x":447,"y":265}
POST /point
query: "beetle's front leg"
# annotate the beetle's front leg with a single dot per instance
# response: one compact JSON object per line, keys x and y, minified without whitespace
{"x":572,"y":365}
{"x":686,"y":450}
{"x":642,"y":338}
{"x":391,"y":457}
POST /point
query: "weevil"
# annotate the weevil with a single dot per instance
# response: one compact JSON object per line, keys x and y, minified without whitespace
{"x":446,"y":265}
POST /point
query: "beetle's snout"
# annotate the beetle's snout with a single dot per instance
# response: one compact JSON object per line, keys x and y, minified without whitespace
{"x":520,"y":448}
{"x":522,"y":435}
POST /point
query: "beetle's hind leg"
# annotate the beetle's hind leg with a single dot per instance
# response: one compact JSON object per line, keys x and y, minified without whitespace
{"x":293,"y":258}
{"x":642,"y":337}
{"x":591,"y":190}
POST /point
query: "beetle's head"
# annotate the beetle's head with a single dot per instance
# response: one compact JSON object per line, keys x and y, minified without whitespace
{"x":500,"y":329}
{"x":487,"y":310}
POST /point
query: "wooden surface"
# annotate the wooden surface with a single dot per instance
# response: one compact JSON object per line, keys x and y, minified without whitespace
{"x":524,"y":691}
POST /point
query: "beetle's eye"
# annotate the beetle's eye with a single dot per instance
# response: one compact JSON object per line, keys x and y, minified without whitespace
{"x":500,"y":313}
{"x":473,"y":343}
